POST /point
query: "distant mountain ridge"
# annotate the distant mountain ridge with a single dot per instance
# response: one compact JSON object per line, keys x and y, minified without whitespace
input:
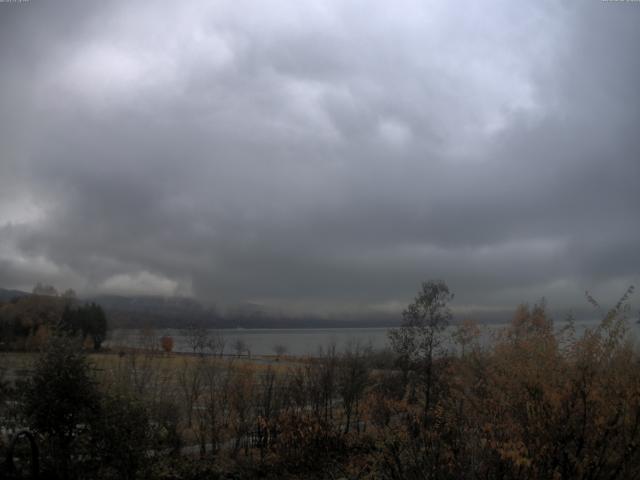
{"x":6,"y":295}
{"x":155,"y":311}
{"x":180,"y":312}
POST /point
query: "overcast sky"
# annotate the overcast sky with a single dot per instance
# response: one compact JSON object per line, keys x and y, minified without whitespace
{"x":321,"y":156}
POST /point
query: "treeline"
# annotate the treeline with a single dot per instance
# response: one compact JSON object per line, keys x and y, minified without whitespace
{"x":27,"y":322}
{"x":537,"y":402}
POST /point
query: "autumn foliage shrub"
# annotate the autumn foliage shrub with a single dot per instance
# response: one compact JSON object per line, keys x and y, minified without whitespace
{"x":537,"y":403}
{"x":306,"y":443}
{"x":166,"y":342}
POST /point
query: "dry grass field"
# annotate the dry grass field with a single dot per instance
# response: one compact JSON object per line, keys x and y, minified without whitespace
{"x":16,"y":365}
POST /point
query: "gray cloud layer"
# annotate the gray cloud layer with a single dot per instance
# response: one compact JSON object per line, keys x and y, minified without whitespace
{"x":321,"y":155}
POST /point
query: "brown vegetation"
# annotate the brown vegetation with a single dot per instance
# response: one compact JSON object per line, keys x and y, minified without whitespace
{"x":537,"y":402}
{"x":166,"y":342}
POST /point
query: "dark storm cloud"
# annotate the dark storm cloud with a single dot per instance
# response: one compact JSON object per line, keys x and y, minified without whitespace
{"x":316,"y":157}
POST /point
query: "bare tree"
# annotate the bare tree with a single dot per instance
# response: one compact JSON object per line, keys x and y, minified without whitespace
{"x":241,"y":395}
{"x":190,"y":382}
{"x":269,"y":402}
{"x":216,"y":342}
{"x":466,"y":335}
{"x":419,"y":338}
{"x":240,"y":347}
{"x":148,"y":339}
{"x":353,"y":376}
{"x":279,"y":350}
{"x":197,"y":337}
{"x":321,"y":382}
{"x":213,"y":409}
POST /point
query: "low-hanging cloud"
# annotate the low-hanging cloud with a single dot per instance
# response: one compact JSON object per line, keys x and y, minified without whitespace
{"x":314,"y":154}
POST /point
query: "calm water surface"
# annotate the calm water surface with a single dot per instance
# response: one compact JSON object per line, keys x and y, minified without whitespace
{"x":303,"y":341}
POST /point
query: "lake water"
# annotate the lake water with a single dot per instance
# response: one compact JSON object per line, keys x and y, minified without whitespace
{"x":303,"y":341}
